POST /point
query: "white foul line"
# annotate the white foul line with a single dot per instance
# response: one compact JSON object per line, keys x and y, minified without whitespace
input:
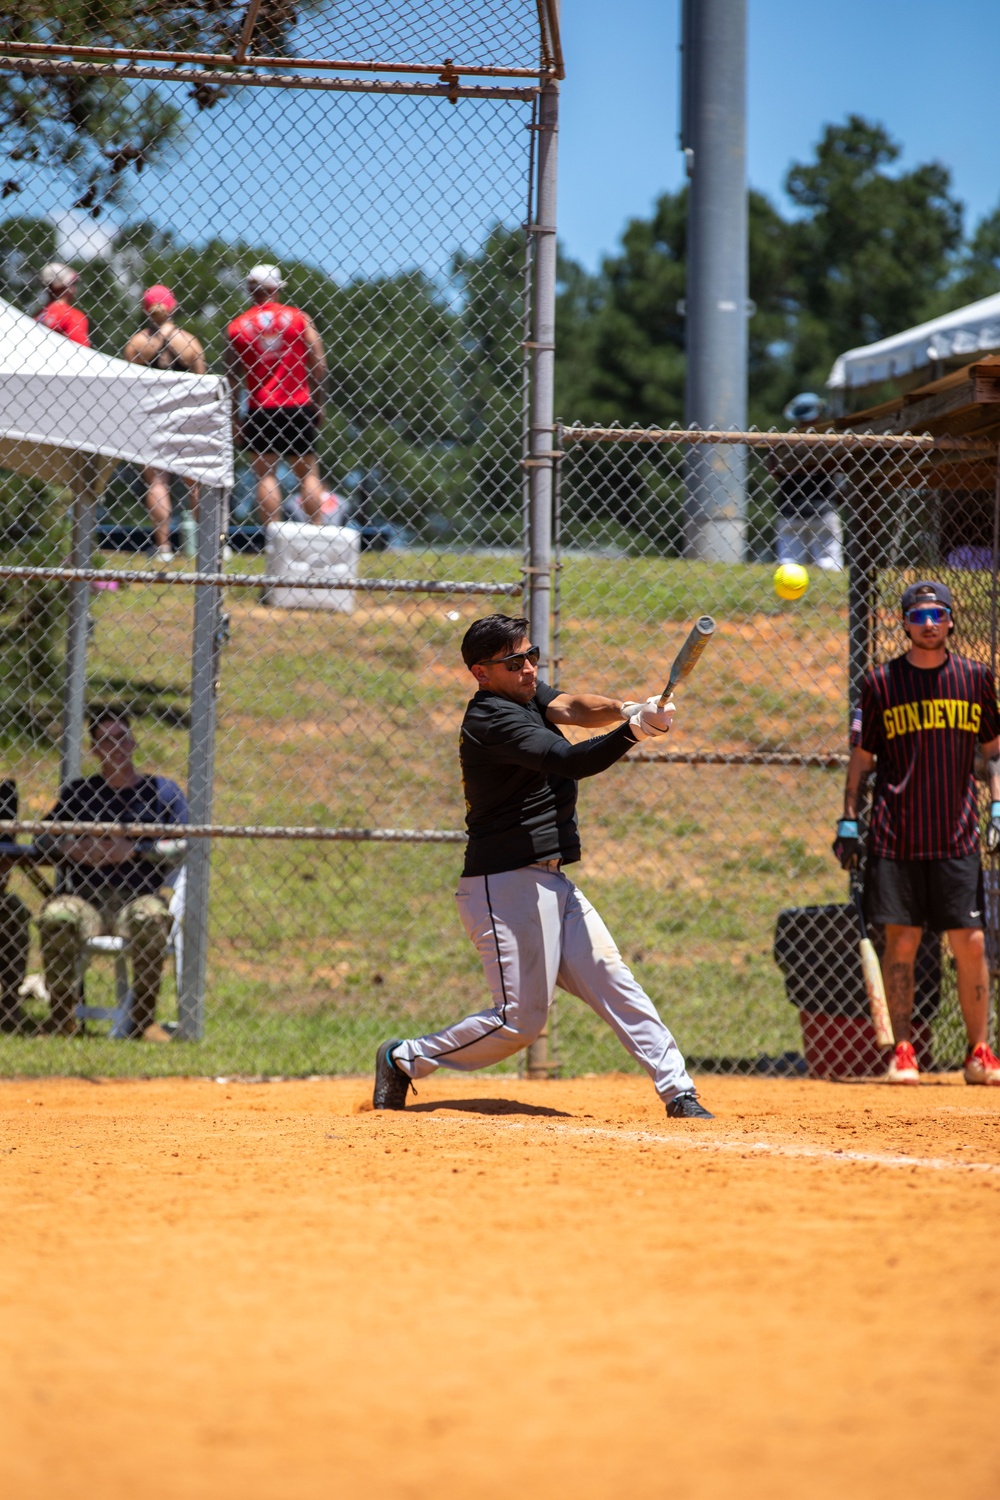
{"x":771,"y":1148}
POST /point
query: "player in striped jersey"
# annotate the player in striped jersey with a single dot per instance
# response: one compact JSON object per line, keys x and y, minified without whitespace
{"x":922,"y":715}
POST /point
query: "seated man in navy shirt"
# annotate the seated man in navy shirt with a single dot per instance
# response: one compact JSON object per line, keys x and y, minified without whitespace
{"x":110,"y":884}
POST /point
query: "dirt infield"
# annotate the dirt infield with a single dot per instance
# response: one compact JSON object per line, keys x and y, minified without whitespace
{"x":268,"y":1292}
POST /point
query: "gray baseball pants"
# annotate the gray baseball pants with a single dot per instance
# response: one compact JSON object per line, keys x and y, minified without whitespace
{"x":533,"y":930}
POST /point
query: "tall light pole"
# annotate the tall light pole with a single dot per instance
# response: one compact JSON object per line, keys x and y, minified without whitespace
{"x":713,"y":137}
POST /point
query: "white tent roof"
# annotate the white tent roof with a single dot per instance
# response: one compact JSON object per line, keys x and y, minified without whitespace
{"x":60,"y":404}
{"x":967,"y":330}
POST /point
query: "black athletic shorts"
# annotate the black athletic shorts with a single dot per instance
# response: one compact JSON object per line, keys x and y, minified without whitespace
{"x":941,"y":894}
{"x":288,"y":431}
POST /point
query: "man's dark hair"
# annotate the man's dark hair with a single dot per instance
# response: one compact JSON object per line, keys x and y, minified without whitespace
{"x":106,"y":713}
{"x":497,"y":635}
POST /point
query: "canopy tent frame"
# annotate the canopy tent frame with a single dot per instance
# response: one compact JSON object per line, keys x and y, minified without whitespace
{"x":174,"y":420}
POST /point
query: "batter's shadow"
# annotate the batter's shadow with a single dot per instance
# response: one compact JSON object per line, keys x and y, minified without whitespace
{"x":488,"y":1107}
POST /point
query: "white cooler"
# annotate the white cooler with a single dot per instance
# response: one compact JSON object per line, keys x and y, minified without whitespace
{"x":298,"y":550}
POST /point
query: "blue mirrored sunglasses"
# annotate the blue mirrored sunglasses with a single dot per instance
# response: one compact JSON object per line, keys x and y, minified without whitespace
{"x":928,"y":614}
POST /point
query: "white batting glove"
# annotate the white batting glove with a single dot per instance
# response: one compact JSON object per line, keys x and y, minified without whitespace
{"x":650,"y":720}
{"x":629,"y":708}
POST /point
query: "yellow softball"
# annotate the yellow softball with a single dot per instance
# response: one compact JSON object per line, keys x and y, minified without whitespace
{"x":791,"y":581}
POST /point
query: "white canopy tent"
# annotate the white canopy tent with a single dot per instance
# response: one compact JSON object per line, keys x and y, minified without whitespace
{"x":67,"y":415}
{"x":64,"y":408}
{"x":970,"y":330}
{"x":62,"y":404}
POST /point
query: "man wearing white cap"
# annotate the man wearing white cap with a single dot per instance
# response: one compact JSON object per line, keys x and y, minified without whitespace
{"x":166,"y":347}
{"x":275,"y":350}
{"x":59,"y":314}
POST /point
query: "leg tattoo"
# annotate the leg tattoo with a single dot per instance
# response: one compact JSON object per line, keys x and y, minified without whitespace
{"x":899,"y":994}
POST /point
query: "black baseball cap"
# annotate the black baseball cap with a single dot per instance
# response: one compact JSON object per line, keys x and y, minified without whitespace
{"x":926,"y":592}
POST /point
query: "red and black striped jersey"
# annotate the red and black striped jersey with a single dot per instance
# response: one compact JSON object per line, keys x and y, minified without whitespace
{"x":923,"y":724}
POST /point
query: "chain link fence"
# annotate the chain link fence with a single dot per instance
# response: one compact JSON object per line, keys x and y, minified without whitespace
{"x":385,"y":160}
{"x":712,"y":858}
{"x":300,"y":681}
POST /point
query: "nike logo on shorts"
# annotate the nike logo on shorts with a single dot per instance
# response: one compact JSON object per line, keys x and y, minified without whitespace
{"x":973,"y":914}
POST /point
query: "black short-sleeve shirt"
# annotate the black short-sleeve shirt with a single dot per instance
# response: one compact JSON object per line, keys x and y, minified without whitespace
{"x":153,"y":799}
{"x":923,"y":724}
{"x":520,"y":778}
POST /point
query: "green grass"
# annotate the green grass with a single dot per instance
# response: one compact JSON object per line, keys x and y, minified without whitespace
{"x":671,"y":589}
{"x":318,"y":952}
{"x":632,"y":588}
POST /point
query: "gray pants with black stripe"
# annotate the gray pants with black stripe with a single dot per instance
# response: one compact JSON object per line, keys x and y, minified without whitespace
{"x":533,"y":930}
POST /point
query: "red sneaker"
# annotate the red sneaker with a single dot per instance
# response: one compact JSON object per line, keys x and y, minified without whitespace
{"x":981,"y":1066}
{"x":903,"y":1065}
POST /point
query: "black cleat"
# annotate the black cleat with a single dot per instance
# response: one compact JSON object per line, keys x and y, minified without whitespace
{"x":391,"y":1084}
{"x":686,"y":1107}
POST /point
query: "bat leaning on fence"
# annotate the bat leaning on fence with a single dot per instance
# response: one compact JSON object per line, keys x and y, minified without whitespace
{"x":874,"y":986}
{"x":687,"y":657}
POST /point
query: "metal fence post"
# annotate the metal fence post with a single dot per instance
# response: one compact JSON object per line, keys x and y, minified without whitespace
{"x":713,"y":136}
{"x":540,"y":446}
{"x":206,"y":644}
{"x":857,"y":515}
{"x":543,"y":335}
{"x":992,"y":861}
{"x":859,"y":587}
{"x":556,"y":643}
{"x":77,"y":625}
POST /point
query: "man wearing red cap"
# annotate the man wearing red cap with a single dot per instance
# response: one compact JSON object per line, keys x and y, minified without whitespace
{"x":164,"y":346}
{"x":276,"y":350}
{"x":59,"y":314}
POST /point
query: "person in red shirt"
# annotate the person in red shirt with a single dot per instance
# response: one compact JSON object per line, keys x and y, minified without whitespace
{"x":59,"y":314}
{"x":921,"y":718}
{"x":275,"y":351}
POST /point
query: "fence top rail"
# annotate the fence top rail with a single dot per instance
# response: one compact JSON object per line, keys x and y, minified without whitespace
{"x":10,"y":828}
{"x":692,"y":435}
{"x":24,"y":66}
{"x":257,"y":580}
{"x":446,"y":69}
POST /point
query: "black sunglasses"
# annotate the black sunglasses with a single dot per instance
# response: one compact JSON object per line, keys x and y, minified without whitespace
{"x":516,"y":662}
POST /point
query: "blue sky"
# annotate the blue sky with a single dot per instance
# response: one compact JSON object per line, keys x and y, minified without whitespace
{"x":363,"y":186}
{"x":927,"y":69}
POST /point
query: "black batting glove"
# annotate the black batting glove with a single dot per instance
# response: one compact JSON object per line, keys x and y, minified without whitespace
{"x":993,"y":828}
{"x":847,"y":843}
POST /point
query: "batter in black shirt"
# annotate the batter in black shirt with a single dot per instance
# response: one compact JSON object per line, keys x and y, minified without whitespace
{"x":530,"y":924}
{"x":520,"y":774}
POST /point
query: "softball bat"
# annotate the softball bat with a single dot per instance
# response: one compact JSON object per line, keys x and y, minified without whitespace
{"x":874,"y":987}
{"x":687,"y":657}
